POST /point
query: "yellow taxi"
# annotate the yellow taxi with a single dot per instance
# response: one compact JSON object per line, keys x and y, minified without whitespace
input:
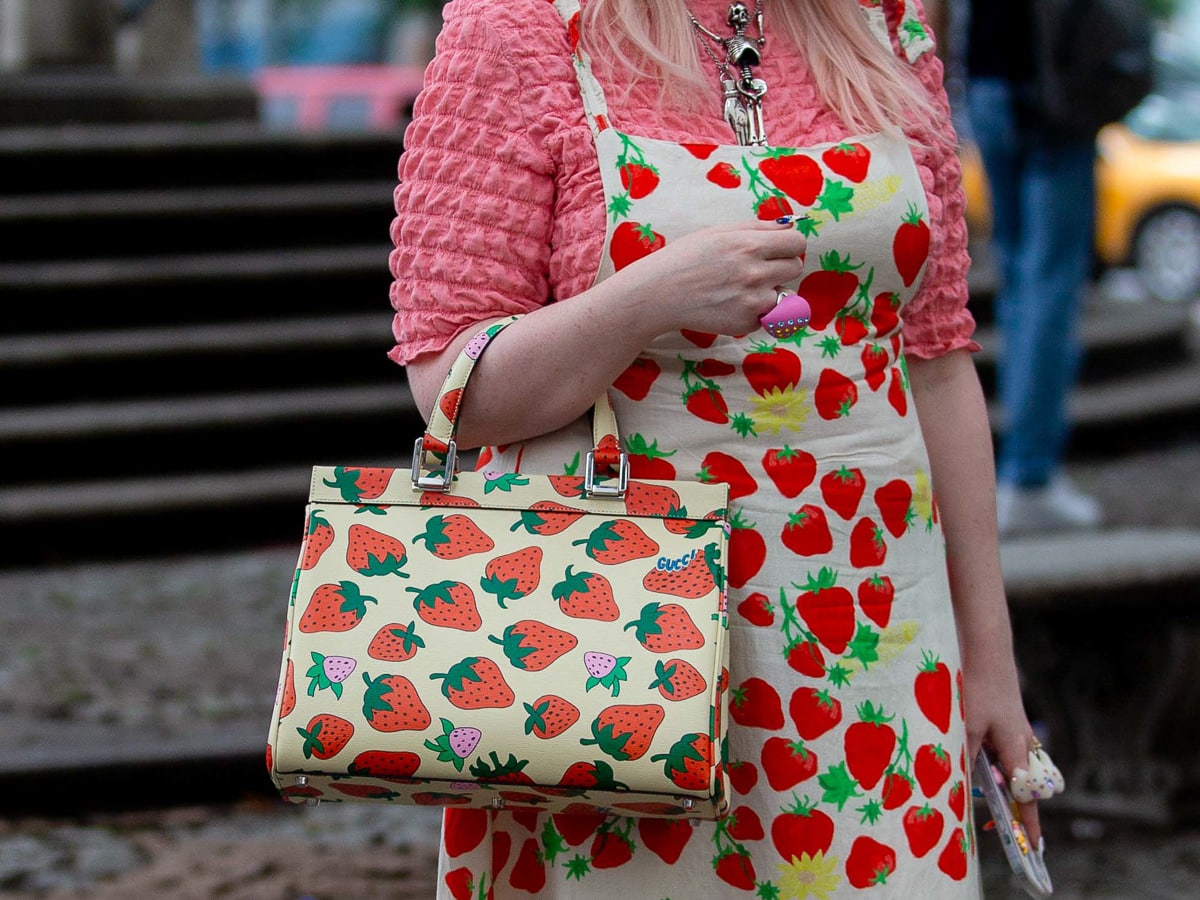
{"x":1147,"y":195}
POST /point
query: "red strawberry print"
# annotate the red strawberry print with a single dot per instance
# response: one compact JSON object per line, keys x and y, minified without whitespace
{"x":850,"y":327}
{"x":736,"y":868}
{"x":400,"y":765}
{"x":953,"y":858}
{"x":933,"y":691}
{"x":325,"y":736}
{"x":786,"y":763}
{"x":366,"y":791}
{"x":894,"y":501}
{"x":631,"y":241}
{"x":318,"y":537}
{"x":869,"y":862}
{"x":359,"y":484}
{"x":897,"y":788}
{"x":475,"y":683}
{"x":806,"y":531}
{"x":453,"y":537}
{"x":747,"y":552}
{"x":931,"y":766}
{"x":898,"y":391}
{"x":706,"y":402}
{"x":395,"y":643}
{"x":691,"y":577}
{"x":547,"y":518}
{"x":807,"y":658}
{"x":549,"y":716}
{"x":665,"y":838}
{"x":835,"y":395}
{"x":532,"y":646}
{"x":771,"y":369}
{"x":814,"y":712}
{"x":755,"y":704}
{"x":958,"y":800}
{"x":610,"y":850}
{"x":910,"y":246}
{"x":447,"y":604}
{"x":464,"y":829}
{"x":869,"y":743}
{"x":757,"y":609}
{"x":678,"y":679}
{"x":721,"y":468}
{"x":371,"y":552}
{"x":287,"y":699}
{"x":513,"y":575}
{"x":391,"y":703}
{"x":647,"y":461}
{"x":570,"y":486}
{"x":827,"y":610}
{"x":689,"y":762}
{"x":791,"y":471}
{"x":617,"y":541}
{"x":639,"y":179}
{"x":802,"y":830}
{"x":743,"y":776}
{"x":885,"y":313}
{"x":745,"y":825}
{"x":875,"y":361}
{"x":666,"y":628}
{"x":586,"y":595}
{"x":334,"y":608}
{"x":795,"y":174}
{"x":875,"y":597}
{"x":724,"y":175}
{"x":842,"y":491}
{"x":829,"y":289}
{"x":624,"y":732}
{"x":449,"y":402}
{"x":867,"y":547}
{"x":635,"y":382}
{"x":772,"y":207}
{"x":714,"y":368}
{"x":700,"y":338}
{"x":700,"y":151}
{"x":850,"y":160}
{"x":923,"y":827}
{"x":528,"y":872}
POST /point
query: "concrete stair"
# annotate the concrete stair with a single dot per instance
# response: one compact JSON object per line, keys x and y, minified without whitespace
{"x":196,"y":313}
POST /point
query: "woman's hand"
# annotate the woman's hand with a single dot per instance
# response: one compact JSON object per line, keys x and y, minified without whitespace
{"x":720,"y":280}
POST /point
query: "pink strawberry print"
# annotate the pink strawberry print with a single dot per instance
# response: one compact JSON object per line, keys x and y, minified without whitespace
{"x":605,"y":670}
{"x":328,"y":673}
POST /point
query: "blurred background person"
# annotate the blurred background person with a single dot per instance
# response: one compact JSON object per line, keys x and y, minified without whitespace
{"x":1042,"y":189}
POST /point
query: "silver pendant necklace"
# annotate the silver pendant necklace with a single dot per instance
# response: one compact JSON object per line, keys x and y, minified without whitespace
{"x":743,"y":91}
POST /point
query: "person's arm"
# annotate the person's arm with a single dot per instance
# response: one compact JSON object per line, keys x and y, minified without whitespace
{"x":953,"y":415}
{"x":551,"y":366}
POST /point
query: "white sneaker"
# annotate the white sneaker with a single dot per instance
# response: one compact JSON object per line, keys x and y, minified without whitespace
{"x":1058,"y":506}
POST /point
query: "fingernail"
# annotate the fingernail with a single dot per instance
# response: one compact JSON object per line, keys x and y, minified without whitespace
{"x":1041,"y":846}
{"x":785,"y":220}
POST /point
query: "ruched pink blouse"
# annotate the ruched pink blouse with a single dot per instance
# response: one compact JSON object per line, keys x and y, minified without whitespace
{"x":500,"y":209}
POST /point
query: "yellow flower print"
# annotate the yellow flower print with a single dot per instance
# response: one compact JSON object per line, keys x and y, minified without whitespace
{"x":923,"y":498}
{"x":808,"y":876}
{"x":779,"y":409}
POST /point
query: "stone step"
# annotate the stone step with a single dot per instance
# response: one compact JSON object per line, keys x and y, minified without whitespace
{"x":132,"y":224}
{"x":193,"y":289}
{"x":71,"y":159}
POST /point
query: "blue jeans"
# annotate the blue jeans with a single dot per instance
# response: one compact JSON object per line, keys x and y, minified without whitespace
{"x":1043,"y":198}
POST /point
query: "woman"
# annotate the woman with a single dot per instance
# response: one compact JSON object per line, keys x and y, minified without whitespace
{"x":607,"y":198}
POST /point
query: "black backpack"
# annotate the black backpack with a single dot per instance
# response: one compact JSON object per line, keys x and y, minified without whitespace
{"x":1095,"y":62}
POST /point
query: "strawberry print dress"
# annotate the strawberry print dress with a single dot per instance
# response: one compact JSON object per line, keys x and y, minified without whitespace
{"x":846,"y":743}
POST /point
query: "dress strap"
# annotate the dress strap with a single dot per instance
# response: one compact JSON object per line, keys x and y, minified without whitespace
{"x":594,"y":105}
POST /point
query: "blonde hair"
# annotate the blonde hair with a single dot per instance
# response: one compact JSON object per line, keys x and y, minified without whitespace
{"x":861,"y":80}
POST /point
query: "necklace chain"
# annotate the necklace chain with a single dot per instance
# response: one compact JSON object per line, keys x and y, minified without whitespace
{"x":743,"y":91}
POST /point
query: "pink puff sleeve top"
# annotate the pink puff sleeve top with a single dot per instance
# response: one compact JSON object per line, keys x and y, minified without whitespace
{"x":500,"y":210}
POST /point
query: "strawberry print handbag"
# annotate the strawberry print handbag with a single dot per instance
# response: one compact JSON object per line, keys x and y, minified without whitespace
{"x":500,"y":640}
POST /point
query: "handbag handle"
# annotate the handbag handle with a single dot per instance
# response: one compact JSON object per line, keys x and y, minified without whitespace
{"x":605,"y":460}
